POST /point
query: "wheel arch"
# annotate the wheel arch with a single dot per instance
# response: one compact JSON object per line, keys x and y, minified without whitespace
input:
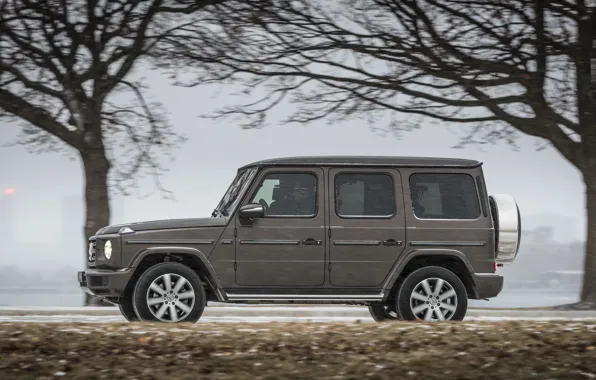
{"x":450,"y":259}
{"x":191,"y":257}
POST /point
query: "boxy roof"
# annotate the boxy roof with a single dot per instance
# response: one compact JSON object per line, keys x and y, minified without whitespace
{"x":395,"y":161}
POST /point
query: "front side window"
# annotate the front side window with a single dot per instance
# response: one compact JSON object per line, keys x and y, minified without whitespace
{"x":288,"y":194}
{"x":364,"y":195}
{"x":444,"y":196}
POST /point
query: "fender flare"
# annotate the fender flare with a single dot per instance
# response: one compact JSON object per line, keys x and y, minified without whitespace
{"x":213,"y":278}
{"x":403,"y":261}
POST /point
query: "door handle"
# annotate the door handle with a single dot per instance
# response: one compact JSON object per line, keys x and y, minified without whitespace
{"x":311,"y":241}
{"x":392,"y":242}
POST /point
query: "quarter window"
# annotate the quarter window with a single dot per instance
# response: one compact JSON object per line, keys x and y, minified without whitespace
{"x":444,"y":196}
{"x":364,"y":195}
{"x":288,"y":194}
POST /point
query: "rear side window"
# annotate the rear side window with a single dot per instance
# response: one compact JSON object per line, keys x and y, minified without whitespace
{"x":364,"y":195}
{"x":444,"y":196}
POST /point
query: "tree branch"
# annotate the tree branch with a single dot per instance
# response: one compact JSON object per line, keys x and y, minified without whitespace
{"x":39,"y":117}
{"x":475,"y":61}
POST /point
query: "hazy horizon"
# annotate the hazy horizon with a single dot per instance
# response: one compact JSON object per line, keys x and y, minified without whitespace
{"x":543,"y":182}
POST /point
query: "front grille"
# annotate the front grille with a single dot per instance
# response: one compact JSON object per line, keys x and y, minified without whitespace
{"x":92,"y":251}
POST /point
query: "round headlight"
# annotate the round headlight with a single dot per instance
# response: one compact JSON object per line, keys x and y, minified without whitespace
{"x":107,"y":249}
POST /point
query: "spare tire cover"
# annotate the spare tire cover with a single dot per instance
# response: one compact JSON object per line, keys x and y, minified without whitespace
{"x":507,"y":221}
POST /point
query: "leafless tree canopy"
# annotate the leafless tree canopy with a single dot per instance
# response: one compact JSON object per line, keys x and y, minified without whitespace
{"x":497,"y":66}
{"x":66,"y":73}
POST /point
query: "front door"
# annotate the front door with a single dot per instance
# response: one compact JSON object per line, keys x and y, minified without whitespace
{"x":286,"y":248}
{"x":366,"y":218}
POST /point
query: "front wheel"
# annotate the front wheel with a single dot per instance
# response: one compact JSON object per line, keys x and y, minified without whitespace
{"x":169,"y":292}
{"x":127,"y":310}
{"x":432,"y":294}
{"x":381,"y":313}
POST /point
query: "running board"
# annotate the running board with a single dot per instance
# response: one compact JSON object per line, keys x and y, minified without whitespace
{"x":304,"y":297}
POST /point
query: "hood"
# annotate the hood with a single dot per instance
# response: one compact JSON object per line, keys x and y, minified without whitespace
{"x":166,"y":224}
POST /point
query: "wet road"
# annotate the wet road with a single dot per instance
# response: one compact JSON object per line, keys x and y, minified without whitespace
{"x":259,"y":314}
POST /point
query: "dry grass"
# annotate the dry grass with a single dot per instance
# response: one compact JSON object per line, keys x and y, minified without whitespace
{"x":481,"y":350}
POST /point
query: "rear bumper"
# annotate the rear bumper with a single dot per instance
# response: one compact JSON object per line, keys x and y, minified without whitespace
{"x":487,"y":285}
{"x":104,"y":283}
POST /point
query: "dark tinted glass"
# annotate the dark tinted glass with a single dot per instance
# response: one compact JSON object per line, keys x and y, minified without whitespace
{"x":444,"y":196}
{"x":288,"y":194}
{"x":364,"y":195}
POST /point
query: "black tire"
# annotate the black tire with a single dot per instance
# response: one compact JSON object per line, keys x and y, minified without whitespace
{"x":127,"y":310}
{"x":383,"y":312}
{"x":407,"y":305}
{"x":193,"y":286}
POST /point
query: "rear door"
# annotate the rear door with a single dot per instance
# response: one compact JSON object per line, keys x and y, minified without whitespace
{"x":448,"y":214}
{"x":367,"y":225}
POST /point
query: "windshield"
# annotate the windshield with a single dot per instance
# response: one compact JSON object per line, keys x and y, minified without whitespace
{"x":232,"y":196}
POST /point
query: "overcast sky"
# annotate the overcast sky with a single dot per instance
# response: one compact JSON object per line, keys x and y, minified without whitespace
{"x":541,"y":181}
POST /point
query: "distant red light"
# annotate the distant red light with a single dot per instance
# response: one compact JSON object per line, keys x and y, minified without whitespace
{"x":9,"y":191}
{"x":495,"y":267}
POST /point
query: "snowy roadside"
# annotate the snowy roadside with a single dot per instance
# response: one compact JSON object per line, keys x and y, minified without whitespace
{"x":259,"y":313}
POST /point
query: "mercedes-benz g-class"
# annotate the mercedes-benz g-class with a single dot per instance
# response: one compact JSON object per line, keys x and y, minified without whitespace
{"x":411,"y":238}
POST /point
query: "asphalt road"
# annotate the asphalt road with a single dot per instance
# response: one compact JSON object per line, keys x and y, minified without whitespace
{"x":259,"y":313}
{"x":73,"y":297}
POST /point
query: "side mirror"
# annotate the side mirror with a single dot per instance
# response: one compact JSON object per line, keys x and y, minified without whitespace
{"x":251,"y":211}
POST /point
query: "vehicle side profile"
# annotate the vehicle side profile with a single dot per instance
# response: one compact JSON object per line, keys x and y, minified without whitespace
{"x":412,"y":238}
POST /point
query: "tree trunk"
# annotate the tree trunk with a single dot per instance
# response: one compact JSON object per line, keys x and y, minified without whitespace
{"x":97,"y":208}
{"x":588,"y":294}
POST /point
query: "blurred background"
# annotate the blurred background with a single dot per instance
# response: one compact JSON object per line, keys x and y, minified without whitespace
{"x":42,"y":210}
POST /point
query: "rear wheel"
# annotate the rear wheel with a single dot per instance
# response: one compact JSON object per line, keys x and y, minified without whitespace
{"x":384,"y":312}
{"x":432,"y":294}
{"x":169,"y":292}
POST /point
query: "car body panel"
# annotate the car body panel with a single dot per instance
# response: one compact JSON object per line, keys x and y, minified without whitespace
{"x":270,"y":259}
{"x":362,"y":250}
{"x":271,"y":251}
{"x":473,"y":237}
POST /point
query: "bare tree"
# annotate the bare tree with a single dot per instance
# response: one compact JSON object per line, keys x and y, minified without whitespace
{"x":495,"y":68}
{"x":66,"y":73}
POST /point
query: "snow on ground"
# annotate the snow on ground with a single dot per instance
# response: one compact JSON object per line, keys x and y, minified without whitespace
{"x":267,"y":313}
{"x":258,"y":319}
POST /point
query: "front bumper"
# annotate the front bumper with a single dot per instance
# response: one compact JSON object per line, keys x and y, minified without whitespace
{"x":487,"y":285}
{"x":104,"y":283}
